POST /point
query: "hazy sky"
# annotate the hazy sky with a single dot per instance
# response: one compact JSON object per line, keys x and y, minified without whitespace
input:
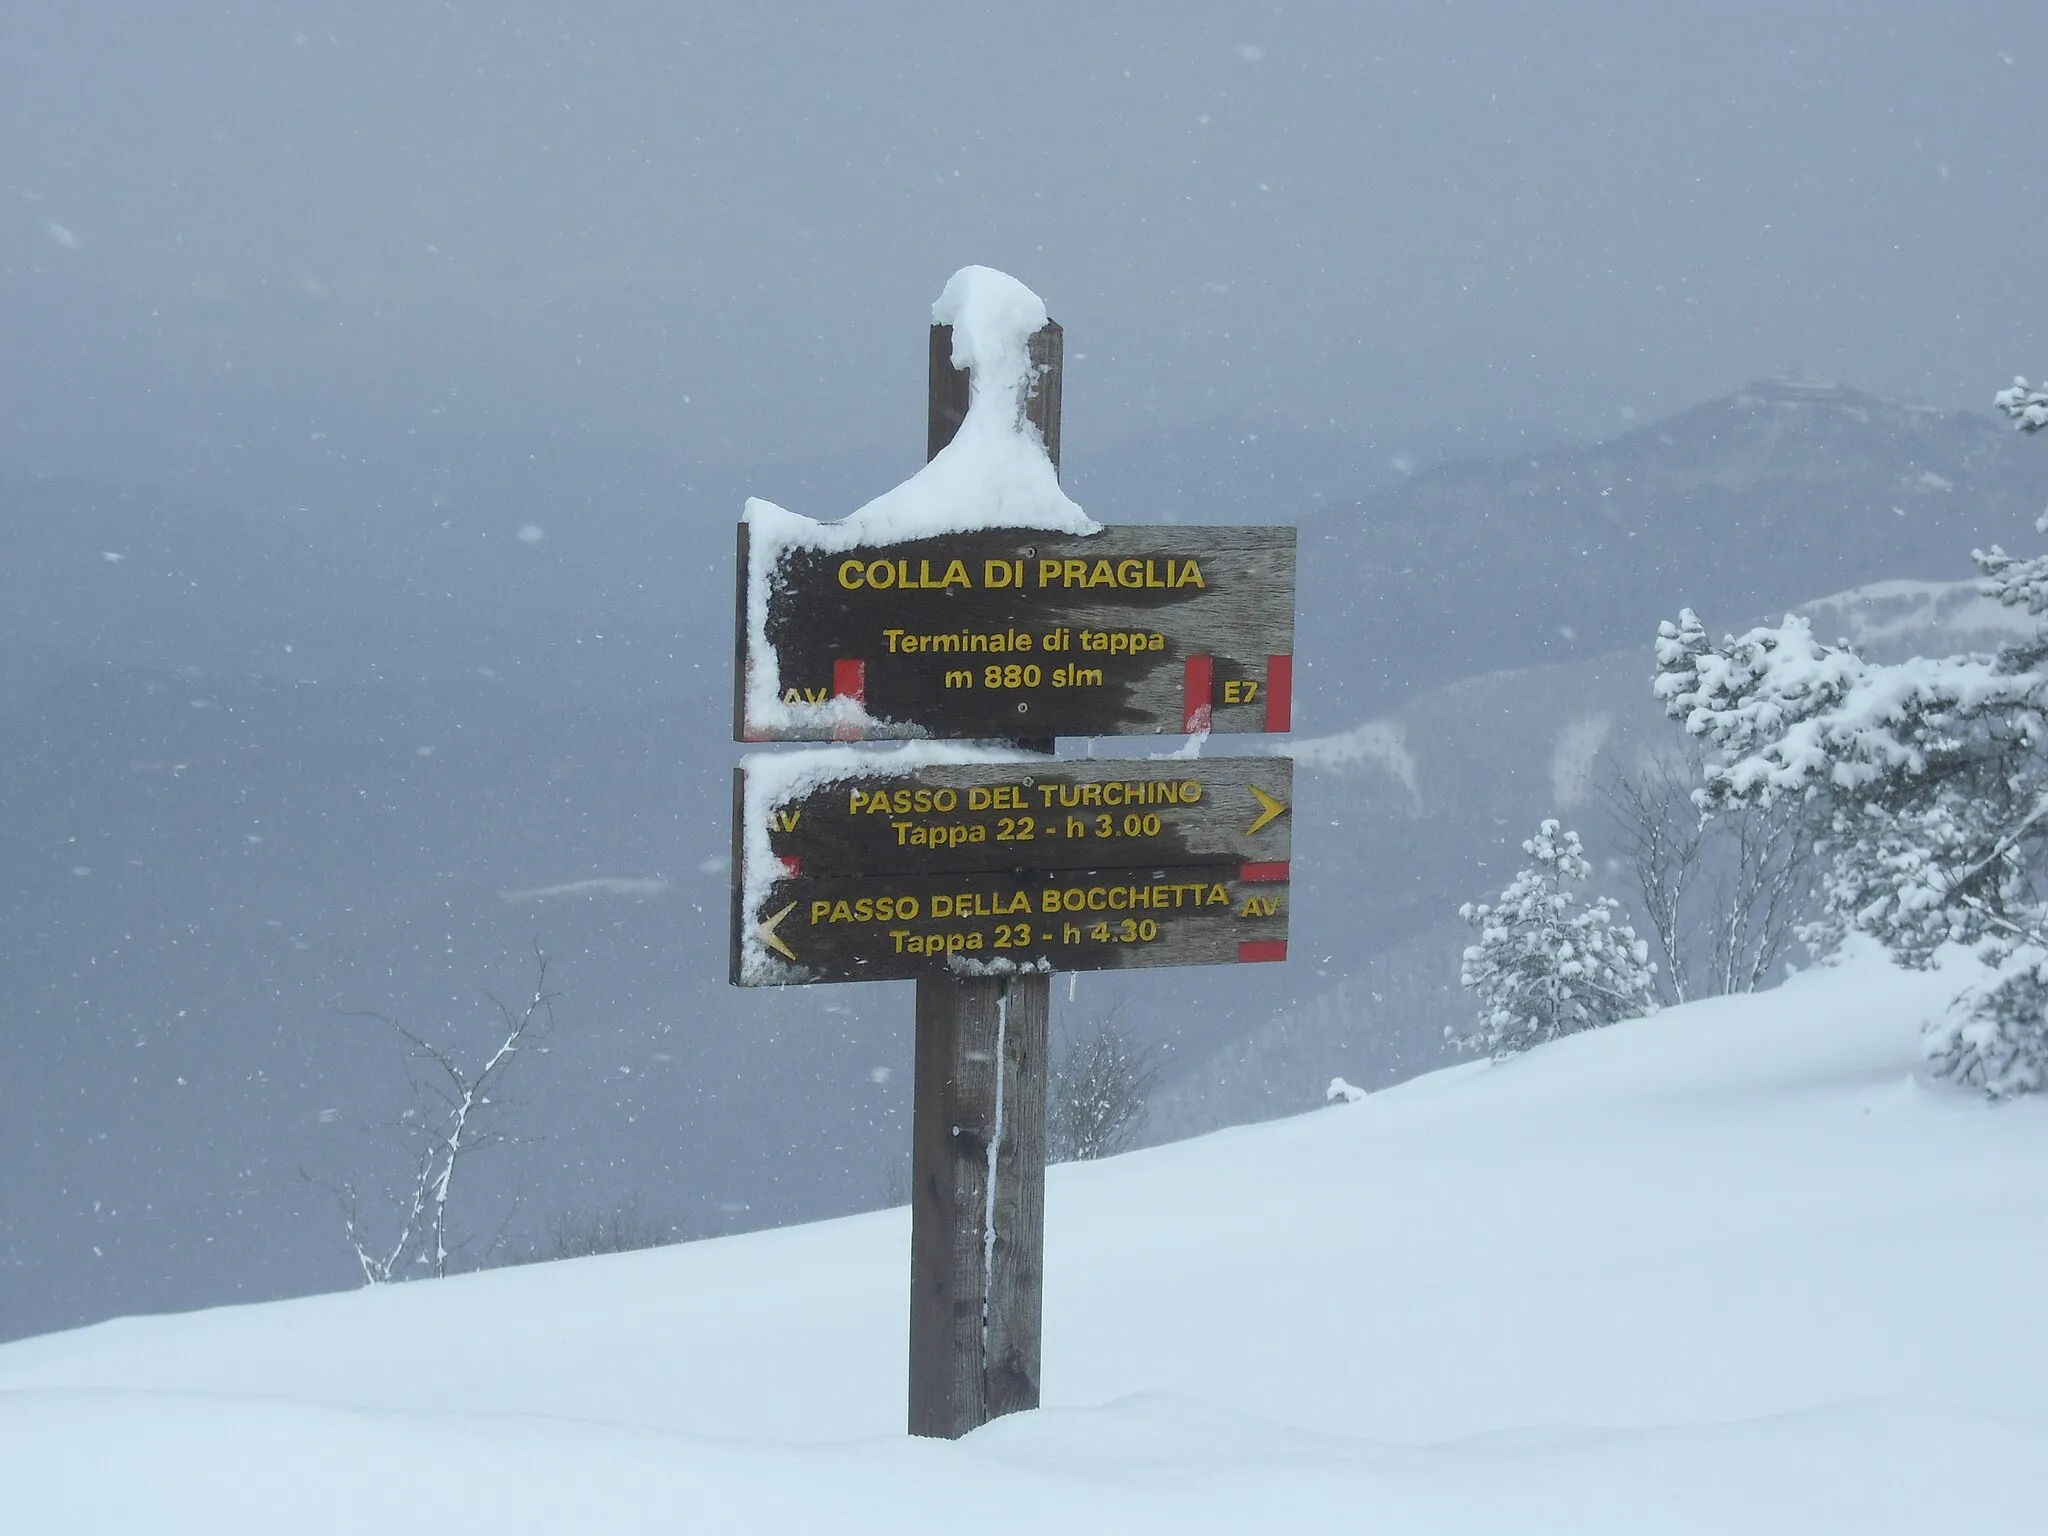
{"x":718,"y":229}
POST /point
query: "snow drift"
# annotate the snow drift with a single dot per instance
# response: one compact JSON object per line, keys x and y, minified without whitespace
{"x":1732,"y":1268}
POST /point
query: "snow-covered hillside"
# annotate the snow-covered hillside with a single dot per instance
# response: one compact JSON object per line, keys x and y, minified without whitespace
{"x":1732,"y":1268}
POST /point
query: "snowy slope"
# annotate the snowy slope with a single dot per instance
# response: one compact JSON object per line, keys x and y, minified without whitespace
{"x":1728,"y":1269}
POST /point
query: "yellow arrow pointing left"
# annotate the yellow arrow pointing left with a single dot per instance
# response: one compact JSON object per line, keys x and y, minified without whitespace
{"x":766,"y":929}
{"x":1269,"y":808}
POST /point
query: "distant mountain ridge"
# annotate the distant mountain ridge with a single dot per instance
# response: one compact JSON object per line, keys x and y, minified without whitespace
{"x":1748,"y":504}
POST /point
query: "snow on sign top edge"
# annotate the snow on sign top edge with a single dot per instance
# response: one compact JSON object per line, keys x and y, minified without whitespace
{"x":994,"y":474}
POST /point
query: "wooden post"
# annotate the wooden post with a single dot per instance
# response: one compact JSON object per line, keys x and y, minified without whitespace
{"x":950,"y":389}
{"x":976,"y":1247}
{"x":977,"y":1204}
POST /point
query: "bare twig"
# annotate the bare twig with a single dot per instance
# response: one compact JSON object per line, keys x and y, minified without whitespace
{"x":1724,"y":893}
{"x":451,"y":1106}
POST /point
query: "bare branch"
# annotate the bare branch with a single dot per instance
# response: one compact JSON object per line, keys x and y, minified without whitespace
{"x":1662,"y":837}
{"x":457,"y":1129}
{"x":1724,"y":892}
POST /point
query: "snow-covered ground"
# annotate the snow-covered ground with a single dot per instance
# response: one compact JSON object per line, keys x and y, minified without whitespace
{"x":1729,"y":1269}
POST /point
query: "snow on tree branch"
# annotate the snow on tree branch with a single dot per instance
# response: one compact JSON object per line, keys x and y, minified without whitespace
{"x":1792,"y":715}
{"x":2028,"y":407}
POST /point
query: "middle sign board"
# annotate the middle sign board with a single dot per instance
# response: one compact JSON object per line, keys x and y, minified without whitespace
{"x":848,"y":871}
{"x":1014,"y":633}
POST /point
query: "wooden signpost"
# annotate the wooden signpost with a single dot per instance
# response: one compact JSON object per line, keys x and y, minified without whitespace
{"x":980,"y":873}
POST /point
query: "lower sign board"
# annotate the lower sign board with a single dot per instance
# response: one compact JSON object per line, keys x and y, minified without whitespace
{"x":801,"y":928}
{"x":940,"y":818}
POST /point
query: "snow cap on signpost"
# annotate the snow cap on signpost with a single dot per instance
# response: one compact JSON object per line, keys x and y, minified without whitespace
{"x":992,"y":317}
{"x":994,"y":474}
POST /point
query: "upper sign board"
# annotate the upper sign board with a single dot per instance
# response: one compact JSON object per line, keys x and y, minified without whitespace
{"x":1016,"y":633}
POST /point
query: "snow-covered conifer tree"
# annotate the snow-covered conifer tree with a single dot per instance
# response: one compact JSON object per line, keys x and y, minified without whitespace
{"x":1933,"y":774}
{"x":1545,"y":966}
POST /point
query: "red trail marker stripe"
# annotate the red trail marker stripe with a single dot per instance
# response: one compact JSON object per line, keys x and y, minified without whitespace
{"x":1254,"y":950}
{"x":1279,"y":693}
{"x":1198,"y":699}
{"x":849,"y":681}
{"x":1259,"y":872}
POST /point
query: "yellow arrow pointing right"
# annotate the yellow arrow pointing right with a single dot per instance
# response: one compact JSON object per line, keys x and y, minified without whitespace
{"x":766,"y":929}
{"x":1269,"y":808}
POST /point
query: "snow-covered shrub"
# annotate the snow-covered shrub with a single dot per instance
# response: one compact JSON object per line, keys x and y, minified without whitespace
{"x":1995,"y":1038}
{"x":1096,"y":1098}
{"x":1546,"y":966}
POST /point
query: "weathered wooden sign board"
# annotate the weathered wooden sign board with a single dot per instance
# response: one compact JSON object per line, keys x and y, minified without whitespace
{"x":1008,"y":633}
{"x":945,"y":818}
{"x":975,"y":869}
{"x":894,"y":927}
